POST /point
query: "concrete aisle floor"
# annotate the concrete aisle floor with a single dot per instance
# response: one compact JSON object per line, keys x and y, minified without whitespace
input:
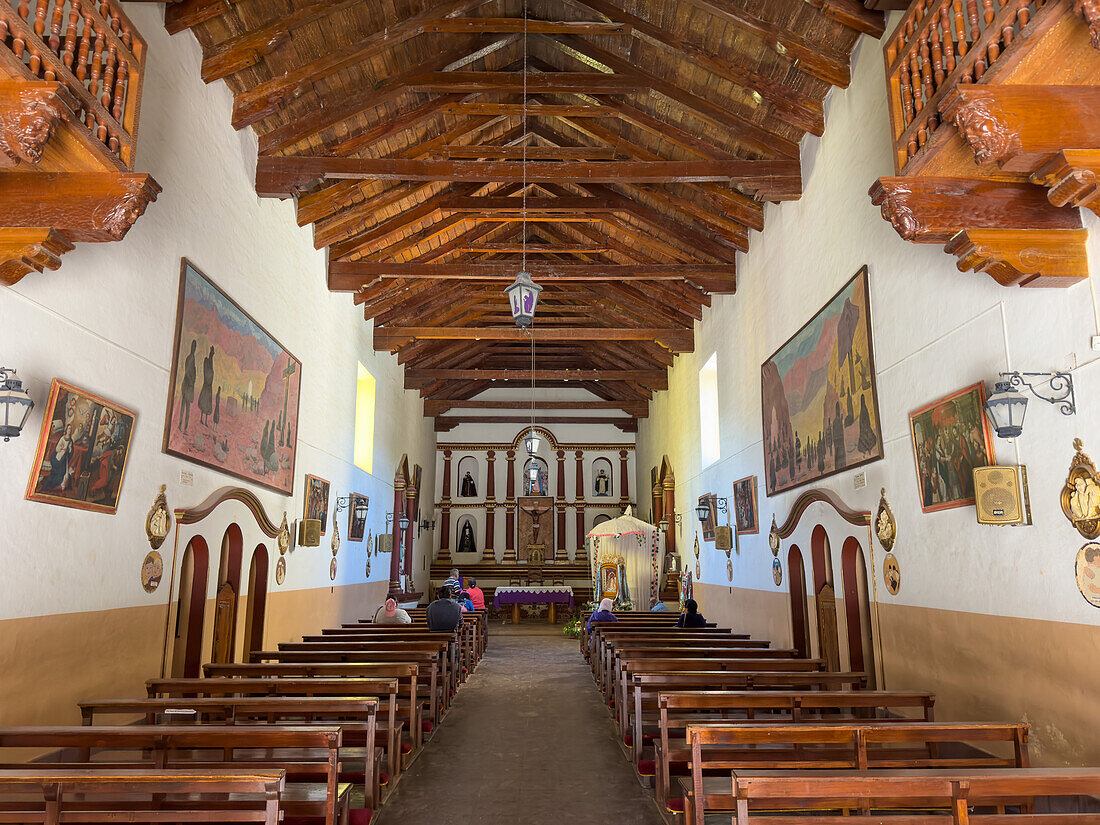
{"x":526,"y":742}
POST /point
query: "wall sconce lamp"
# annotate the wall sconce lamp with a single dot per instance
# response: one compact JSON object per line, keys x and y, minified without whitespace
{"x":15,"y":404}
{"x":703,"y":510}
{"x":665,"y":523}
{"x":532,"y":442}
{"x":403,"y":523}
{"x":427,"y":525}
{"x":1007,"y":405}
{"x":343,"y":502}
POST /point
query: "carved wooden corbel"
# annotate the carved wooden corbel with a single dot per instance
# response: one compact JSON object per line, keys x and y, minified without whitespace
{"x":26,"y":250}
{"x":993,"y":134}
{"x":29,"y":114}
{"x":1013,"y":257}
{"x":116,"y":218}
{"x":1071,"y":178}
{"x":1090,"y":10}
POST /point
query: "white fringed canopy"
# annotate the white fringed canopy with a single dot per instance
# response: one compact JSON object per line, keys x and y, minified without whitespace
{"x":640,"y":545}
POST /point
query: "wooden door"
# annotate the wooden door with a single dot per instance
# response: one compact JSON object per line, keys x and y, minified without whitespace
{"x":826,"y":627}
{"x":225,"y":614}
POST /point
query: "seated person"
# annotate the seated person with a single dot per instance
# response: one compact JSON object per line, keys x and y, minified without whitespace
{"x":691,"y":617}
{"x":604,"y":614}
{"x":477,"y":595}
{"x":390,"y":613}
{"x":455,"y":580}
{"x":464,"y":600}
{"x":444,"y":614}
{"x":659,"y":607}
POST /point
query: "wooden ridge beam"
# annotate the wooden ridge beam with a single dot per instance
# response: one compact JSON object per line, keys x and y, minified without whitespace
{"x":438,"y":406}
{"x":541,"y":334}
{"x":284,"y":176}
{"x":469,"y":25}
{"x":418,"y":379}
{"x":536,"y":83}
{"x":349,"y":276}
{"x":479,"y":107}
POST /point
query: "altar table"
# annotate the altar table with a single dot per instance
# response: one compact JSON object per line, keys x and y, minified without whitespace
{"x":551,"y":595}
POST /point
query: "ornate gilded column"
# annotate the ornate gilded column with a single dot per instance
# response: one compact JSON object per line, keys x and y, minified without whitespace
{"x":510,"y":509}
{"x":669,"y":510}
{"x":398,"y":509}
{"x":445,"y":512}
{"x":579,"y":497}
{"x":488,"y":553}
{"x":624,"y":478}
{"x":560,"y":505}
{"x":411,"y":494}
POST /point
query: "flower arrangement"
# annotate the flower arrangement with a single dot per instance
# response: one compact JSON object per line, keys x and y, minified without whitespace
{"x":573,"y":628}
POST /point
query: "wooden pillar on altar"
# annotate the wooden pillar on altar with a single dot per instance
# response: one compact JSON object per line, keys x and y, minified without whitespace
{"x":445,"y":512}
{"x":398,"y":509}
{"x":411,"y":494}
{"x":658,"y":496}
{"x":579,"y":498}
{"x":669,"y":511}
{"x":560,"y":505}
{"x":510,"y":508}
{"x":624,"y":478}
{"x":489,"y":553}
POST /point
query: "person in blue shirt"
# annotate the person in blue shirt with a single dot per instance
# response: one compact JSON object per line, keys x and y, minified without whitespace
{"x":464,"y":600}
{"x":604,"y":614}
{"x":659,"y":607}
{"x":454,"y":582}
{"x":691,"y":617}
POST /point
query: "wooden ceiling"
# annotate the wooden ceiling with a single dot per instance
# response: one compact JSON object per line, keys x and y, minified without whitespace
{"x":654,"y":132}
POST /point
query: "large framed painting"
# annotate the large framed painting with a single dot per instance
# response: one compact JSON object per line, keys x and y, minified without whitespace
{"x":744,"y":506}
{"x":233,"y":396}
{"x":82,"y":450}
{"x":820,"y":403}
{"x":316,"y":506}
{"x":951,"y":437}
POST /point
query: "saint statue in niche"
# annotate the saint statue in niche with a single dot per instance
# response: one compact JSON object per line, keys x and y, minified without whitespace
{"x":602,"y":483}
{"x":466,"y":542}
{"x":468,"y":488}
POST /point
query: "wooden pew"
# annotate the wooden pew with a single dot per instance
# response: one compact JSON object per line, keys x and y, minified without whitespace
{"x":646,"y":687}
{"x":676,"y":711}
{"x":104,"y":795}
{"x":465,"y":644}
{"x":391,"y":727}
{"x":860,"y":746}
{"x":695,"y":650}
{"x":589,"y":638}
{"x":356,"y":716}
{"x":404,"y":672}
{"x":609,"y":641}
{"x":964,"y":797}
{"x":310,"y":756}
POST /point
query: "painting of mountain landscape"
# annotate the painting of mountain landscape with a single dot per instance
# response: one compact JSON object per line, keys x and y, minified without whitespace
{"x":233,"y":397}
{"x":820,"y":404}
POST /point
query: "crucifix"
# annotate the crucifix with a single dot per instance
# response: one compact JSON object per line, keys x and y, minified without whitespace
{"x":291,"y":368}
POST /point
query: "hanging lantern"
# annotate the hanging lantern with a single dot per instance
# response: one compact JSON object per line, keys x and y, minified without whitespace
{"x":524,"y":297}
{"x":703,"y":512}
{"x":15,"y":404}
{"x":532,"y":443}
{"x":1006,"y":408}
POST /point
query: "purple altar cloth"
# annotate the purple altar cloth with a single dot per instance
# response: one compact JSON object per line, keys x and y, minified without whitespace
{"x":528,"y":597}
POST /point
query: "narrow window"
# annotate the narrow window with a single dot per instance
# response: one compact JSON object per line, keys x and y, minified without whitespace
{"x":364,"y":421}
{"x":709,"y":441}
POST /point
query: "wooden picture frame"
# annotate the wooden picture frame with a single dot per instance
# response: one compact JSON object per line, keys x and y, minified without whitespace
{"x":316,"y":501}
{"x":357,"y":528}
{"x":820,"y":413}
{"x":950,"y":437}
{"x":745,"y":512}
{"x":711,"y":521}
{"x":234,"y":391}
{"x":82,"y":450}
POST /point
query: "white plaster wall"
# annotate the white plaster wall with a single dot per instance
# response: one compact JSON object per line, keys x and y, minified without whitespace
{"x":936,"y":330}
{"x":105,"y":322}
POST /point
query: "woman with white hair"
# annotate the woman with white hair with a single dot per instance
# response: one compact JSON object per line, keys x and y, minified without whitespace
{"x":604,"y":614}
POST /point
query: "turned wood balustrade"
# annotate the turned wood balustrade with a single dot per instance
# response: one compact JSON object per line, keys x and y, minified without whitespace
{"x":93,"y":50}
{"x":938,"y":45}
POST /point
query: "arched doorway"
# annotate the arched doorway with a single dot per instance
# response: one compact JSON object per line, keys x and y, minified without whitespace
{"x":796,"y":578}
{"x":225,"y":602}
{"x":857,"y":610}
{"x":825,"y":598}
{"x":190,"y":609}
{"x":256,"y":604}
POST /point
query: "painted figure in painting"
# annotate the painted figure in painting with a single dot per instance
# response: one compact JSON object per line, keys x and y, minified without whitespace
{"x":469,"y":486}
{"x":187,"y":389}
{"x":1088,"y":573}
{"x":317,"y":501}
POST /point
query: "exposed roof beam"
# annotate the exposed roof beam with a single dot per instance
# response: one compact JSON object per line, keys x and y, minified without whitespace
{"x":536,"y":83}
{"x":438,"y":406}
{"x":418,"y":379}
{"x":531,"y":26}
{"x":446,"y":423}
{"x":350,"y":276}
{"x":541,"y":334}
{"x":529,"y":153}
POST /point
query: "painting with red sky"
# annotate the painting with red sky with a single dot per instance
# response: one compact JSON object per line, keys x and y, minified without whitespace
{"x":233,"y":397}
{"x":820,"y":404}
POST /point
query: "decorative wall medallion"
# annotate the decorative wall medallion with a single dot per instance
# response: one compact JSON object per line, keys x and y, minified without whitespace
{"x":371,"y":549}
{"x":698,"y":570}
{"x":153,"y":568}
{"x":335,"y":543}
{"x":280,"y":570}
{"x":1081,"y":494}
{"x":157,"y":522}
{"x":773,"y":538}
{"x":729,"y":569}
{"x":368,"y":566}
{"x":891,"y":574}
{"x":777,"y":572}
{"x":696,"y":546}
{"x":283,"y":538}
{"x":332,"y":569}
{"x":886,"y":527}
{"x":1088,"y":573}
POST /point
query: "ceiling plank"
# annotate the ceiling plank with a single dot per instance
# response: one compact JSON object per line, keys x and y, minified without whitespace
{"x":536,"y":82}
{"x":467,"y":25}
{"x":417,"y":378}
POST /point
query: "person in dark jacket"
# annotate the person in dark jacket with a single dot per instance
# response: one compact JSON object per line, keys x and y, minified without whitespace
{"x":604,"y":614}
{"x":691,"y":617}
{"x":444,"y":614}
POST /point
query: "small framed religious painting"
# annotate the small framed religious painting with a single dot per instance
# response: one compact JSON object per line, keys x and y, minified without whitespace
{"x":82,"y":451}
{"x":316,"y":506}
{"x":744,"y":506}
{"x":951,"y":437}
